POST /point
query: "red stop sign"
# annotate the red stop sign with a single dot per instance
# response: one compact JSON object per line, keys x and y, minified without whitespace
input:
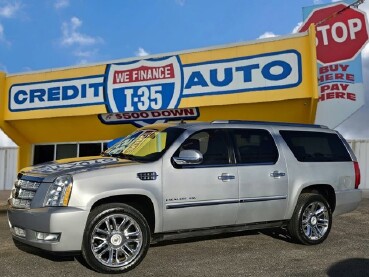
{"x":341,"y":37}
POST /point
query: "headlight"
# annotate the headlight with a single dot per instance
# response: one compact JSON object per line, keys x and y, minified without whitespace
{"x":59,"y":192}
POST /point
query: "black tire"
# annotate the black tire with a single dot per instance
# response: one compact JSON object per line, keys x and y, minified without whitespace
{"x":120,"y":234}
{"x":307,"y":226}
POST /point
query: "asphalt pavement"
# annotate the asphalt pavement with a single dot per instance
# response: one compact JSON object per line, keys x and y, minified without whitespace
{"x":253,"y":253}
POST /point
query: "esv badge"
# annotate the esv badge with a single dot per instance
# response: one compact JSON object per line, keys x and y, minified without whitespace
{"x":144,"y":85}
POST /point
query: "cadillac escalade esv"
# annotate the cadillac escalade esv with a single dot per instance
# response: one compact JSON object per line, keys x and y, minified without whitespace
{"x":177,"y":180}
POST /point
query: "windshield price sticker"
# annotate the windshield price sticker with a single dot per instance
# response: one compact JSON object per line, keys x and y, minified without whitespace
{"x":140,"y":141}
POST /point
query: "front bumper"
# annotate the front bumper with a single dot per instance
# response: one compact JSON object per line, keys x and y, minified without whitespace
{"x":68,"y":222}
{"x":347,"y":201}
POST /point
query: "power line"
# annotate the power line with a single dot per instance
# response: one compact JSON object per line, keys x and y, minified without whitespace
{"x":356,"y":4}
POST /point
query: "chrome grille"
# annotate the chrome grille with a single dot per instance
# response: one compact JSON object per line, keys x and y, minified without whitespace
{"x":23,"y":193}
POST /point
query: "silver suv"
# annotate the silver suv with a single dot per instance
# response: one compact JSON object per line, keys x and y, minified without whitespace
{"x":178,"y":180}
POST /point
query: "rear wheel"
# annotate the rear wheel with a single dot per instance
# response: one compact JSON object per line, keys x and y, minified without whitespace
{"x":116,"y":239}
{"x":312,"y":219}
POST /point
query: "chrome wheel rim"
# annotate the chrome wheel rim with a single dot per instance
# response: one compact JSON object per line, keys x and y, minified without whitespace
{"x":315,"y":220}
{"x":116,"y":240}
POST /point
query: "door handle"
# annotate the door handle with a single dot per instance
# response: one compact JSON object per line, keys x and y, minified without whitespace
{"x":276,"y":174}
{"x":226,"y":177}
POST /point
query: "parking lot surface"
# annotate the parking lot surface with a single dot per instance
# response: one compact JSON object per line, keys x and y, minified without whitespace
{"x":270,"y":253}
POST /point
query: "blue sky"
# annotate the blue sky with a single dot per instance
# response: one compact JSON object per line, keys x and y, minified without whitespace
{"x":46,"y":34}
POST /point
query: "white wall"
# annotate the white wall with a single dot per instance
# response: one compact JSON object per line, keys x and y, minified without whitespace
{"x":8,"y":167}
{"x":5,"y":141}
{"x":361,"y":150}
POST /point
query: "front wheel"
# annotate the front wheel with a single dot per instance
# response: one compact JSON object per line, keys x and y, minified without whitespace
{"x":312,"y":219}
{"x":116,"y":238}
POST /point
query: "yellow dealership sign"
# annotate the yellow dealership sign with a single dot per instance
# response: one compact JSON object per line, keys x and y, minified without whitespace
{"x":272,"y":80}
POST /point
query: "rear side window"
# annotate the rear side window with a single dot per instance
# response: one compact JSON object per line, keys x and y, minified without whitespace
{"x":316,"y":146}
{"x":254,"y":146}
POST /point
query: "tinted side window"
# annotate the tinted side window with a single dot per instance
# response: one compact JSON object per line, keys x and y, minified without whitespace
{"x":211,"y":143}
{"x":254,"y":146}
{"x":316,"y":146}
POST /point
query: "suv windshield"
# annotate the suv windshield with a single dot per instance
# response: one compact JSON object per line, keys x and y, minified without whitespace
{"x":145,"y":144}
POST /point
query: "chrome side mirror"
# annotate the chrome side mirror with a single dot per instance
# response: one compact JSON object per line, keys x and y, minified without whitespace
{"x":187,"y":157}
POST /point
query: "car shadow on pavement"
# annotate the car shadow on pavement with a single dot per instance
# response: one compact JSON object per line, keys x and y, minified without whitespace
{"x":357,"y":267}
{"x":61,"y":257}
{"x":205,"y":238}
{"x":280,"y":234}
{"x":52,"y":256}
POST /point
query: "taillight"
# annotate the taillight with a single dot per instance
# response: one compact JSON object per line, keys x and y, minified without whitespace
{"x":357,"y":174}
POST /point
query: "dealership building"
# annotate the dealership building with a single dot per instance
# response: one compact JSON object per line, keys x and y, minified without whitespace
{"x":75,"y":111}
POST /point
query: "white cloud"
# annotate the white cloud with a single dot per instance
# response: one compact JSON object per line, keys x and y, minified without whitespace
{"x":85,"y":53}
{"x":3,"y":39}
{"x":297,"y":28}
{"x":71,"y":36}
{"x":8,"y":10}
{"x":60,"y":4}
{"x":83,"y":46}
{"x":317,"y":2}
{"x":3,"y":68}
{"x":267,"y":35}
{"x":82,"y":62}
{"x":26,"y":69}
{"x":141,"y":52}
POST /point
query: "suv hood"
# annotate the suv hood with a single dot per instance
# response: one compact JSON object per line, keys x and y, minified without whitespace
{"x":71,"y":166}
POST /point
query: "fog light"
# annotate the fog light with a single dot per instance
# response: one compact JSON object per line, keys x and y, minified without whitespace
{"x":47,"y":236}
{"x":19,"y":232}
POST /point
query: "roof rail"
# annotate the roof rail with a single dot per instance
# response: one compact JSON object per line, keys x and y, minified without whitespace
{"x":268,"y":123}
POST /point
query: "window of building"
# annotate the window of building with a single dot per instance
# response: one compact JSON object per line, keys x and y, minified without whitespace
{"x":43,"y":153}
{"x":64,"y":151}
{"x":89,"y":149}
{"x":49,"y":152}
